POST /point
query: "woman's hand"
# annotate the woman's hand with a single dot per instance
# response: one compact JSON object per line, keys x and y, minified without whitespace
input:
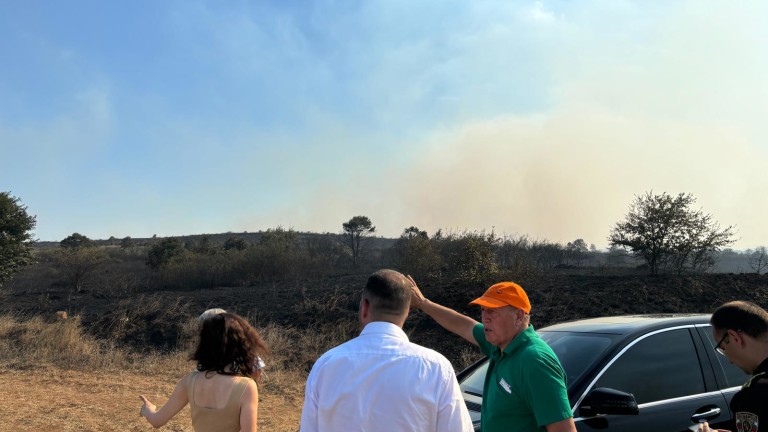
{"x":148,"y":408}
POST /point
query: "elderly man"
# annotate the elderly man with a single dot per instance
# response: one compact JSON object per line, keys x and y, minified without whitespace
{"x":741,"y":329}
{"x":525,"y":388}
{"x":379,"y":381}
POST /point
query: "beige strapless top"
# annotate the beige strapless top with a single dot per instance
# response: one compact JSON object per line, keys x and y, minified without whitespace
{"x":225,"y":419}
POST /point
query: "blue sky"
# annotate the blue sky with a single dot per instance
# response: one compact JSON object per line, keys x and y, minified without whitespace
{"x":526,"y":117}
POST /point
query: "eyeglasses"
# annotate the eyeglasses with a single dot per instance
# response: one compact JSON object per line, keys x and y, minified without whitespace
{"x":717,"y":347}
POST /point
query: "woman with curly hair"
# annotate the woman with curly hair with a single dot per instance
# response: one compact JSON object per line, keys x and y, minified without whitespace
{"x":221,"y":395}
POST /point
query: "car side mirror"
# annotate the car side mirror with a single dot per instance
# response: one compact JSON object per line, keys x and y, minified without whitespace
{"x":608,"y":401}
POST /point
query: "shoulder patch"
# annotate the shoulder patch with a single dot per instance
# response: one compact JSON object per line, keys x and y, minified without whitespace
{"x":747,"y":422}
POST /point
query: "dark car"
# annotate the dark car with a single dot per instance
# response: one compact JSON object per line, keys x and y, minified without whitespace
{"x":634,"y":373}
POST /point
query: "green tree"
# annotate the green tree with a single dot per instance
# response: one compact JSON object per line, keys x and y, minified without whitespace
{"x":76,"y":241}
{"x":355,"y":232}
{"x":164,"y":251}
{"x":664,"y":231}
{"x":16,"y":227}
{"x":127,"y":243}
{"x":235,"y":243}
{"x":415,"y":254}
{"x":577,"y":251}
{"x":205,"y":246}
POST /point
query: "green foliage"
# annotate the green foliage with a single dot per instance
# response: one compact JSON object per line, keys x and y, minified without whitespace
{"x":76,"y":241}
{"x":279,"y":239}
{"x":355,"y":231}
{"x":415,"y":254}
{"x":235,"y":243}
{"x":205,"y":246}
{"x":665,"y":232}
{"x":127,"y":243}
{"x":15,"y":236}
{"x":165,"y":251}
{"x":470,"y":256}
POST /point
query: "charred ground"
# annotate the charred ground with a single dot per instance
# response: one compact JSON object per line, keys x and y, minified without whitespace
{"x":146,"y":320}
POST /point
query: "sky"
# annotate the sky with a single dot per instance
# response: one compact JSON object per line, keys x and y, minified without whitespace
{"x":536,"y":118}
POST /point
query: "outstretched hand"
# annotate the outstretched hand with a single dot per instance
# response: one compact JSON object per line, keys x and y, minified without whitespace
{"x":417,"y":298}
{"x":147,"y":408}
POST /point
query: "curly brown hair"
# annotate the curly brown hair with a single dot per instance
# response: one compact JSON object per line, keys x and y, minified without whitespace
{"x":228,"y":345}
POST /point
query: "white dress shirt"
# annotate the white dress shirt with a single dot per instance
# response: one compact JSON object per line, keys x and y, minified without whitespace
{"x":379,"y":381}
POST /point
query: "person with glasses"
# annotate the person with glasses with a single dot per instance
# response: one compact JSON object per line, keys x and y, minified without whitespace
{"x":525,"y":386}
{"x":380,"y":381}
{"x":741,"y":329}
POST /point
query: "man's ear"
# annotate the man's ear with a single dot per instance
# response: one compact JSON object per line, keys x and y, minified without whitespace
{"x":736,"y":337}
{"x":365,"y":308}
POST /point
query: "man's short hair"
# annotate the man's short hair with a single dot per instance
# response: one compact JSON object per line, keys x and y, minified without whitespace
{"x":388,"y":292}
{"x":743,"y":316}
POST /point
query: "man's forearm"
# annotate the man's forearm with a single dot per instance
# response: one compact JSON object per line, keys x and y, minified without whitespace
{"x":450,"y":320}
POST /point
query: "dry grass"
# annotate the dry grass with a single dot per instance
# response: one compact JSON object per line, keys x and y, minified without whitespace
{"x":56,"y":377}
{"x":55,"y":399}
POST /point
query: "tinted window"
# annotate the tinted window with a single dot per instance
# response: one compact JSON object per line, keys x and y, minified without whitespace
{"x":734,"y":375}
{"x":475,"y":381}
{"x":576,"y":351}
{"x":661,"y":366}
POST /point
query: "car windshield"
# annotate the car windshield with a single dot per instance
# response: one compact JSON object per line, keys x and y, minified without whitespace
{"x":576,"y":351}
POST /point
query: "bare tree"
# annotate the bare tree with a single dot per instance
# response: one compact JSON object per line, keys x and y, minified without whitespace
{"x":758,"y":260}
{"x":78,"y":264}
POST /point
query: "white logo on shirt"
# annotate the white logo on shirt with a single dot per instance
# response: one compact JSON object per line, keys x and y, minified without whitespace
{"x":505,"y":385}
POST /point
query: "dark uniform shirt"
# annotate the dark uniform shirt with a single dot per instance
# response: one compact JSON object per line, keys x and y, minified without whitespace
{"x":750,"y":404}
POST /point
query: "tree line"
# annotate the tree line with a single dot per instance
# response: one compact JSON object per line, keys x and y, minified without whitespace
{"x":659,"y":234}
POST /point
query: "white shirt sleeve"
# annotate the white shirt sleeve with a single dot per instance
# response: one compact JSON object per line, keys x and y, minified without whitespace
{"x":309,"y":420}
{"x":452,"y":413}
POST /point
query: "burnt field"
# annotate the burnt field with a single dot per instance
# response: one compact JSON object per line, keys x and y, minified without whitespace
{"x":157,"y":320}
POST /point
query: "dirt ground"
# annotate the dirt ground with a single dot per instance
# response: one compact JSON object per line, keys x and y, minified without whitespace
{"x":59,"y":400}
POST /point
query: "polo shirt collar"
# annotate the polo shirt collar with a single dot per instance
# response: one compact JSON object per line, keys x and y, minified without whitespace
{"x":520,"y":340}
{"x":385,"y":328}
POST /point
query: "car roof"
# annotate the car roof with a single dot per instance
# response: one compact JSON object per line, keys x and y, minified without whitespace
{"x":627,"y":324}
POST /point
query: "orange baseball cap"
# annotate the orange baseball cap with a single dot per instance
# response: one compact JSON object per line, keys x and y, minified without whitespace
{"x":504,"y":294}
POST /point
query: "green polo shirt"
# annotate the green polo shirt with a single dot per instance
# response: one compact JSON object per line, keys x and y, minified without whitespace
{"x":525,"y":386}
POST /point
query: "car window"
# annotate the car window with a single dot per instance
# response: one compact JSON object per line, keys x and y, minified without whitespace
{"x":661,"y":366}
{"x":475,"y":381}
{"x":576,"y":351}
{"x":733,"y":375}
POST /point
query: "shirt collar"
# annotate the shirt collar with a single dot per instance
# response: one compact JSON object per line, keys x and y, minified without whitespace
{"x":520,"y":340}
{"x":385,"y":328}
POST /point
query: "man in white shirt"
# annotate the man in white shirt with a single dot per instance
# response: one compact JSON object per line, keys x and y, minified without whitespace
{"x":380,"y":381}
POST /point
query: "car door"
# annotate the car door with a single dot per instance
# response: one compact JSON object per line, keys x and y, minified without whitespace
{"x":663,"y":371}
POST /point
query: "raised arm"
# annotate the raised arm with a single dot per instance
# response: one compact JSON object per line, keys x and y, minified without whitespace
{"x":176,"y":402}
{"x":449,"y":319}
